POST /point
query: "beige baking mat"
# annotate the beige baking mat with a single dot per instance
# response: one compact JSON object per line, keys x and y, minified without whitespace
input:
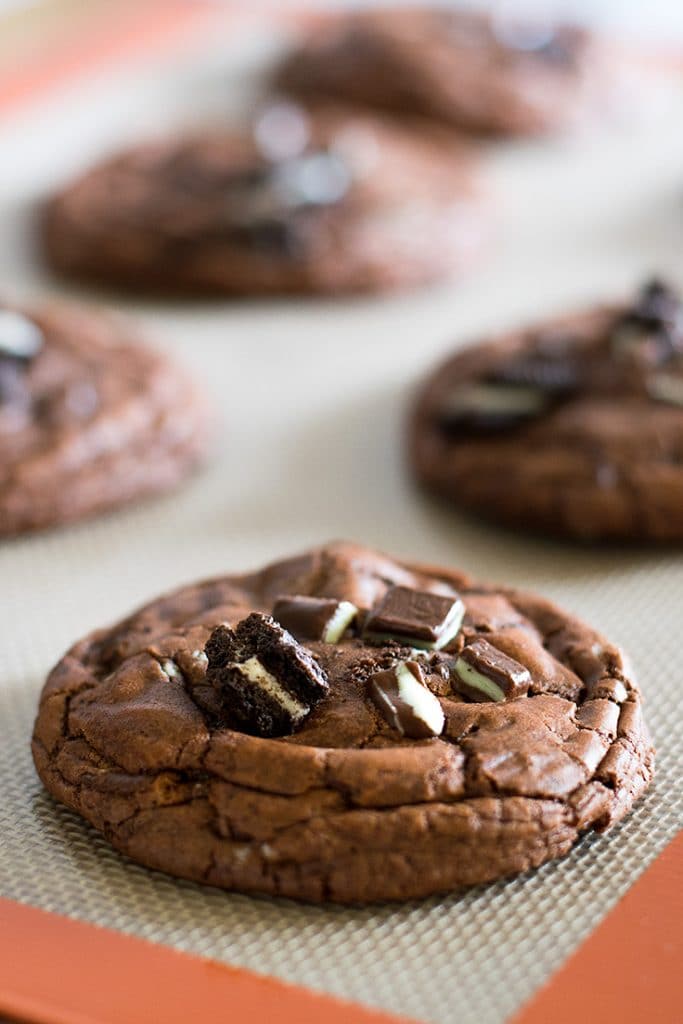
{"x":311,"y":398}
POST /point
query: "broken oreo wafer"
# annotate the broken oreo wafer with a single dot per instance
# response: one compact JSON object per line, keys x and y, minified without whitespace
{"x":267,"y":682}
{"x":415,"y":617}
{"x":482,"y":672}
{"x":404,"y":701}
{"x":315,"y":618}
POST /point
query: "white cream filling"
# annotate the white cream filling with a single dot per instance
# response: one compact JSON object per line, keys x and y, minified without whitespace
{"x":339,"y":623}
{"x":478,"y":681}
{"x":506,"y":399}
{"x":254,"y":671}
{"x":666,"y":388}
{"x":171,"y":669}
{"x":451,"y":626}
{"x":421,"y":701}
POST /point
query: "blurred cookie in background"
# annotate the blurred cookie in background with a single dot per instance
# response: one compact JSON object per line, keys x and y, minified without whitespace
{"x":573,"y":427}
{"x":302,"y":201}
{"x":501,"y":73}
{"x":89,"y":417}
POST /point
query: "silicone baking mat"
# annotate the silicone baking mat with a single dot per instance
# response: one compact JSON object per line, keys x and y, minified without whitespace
{"x":311,"y":398}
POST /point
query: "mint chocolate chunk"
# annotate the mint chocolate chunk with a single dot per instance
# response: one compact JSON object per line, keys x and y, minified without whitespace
{"x":404,"y":701}
{"x":484,"y":673}
{"x":315,"y":618}
{"x":266,"y":682}
{"x":489,"y":407}
{"x":416,"y":618}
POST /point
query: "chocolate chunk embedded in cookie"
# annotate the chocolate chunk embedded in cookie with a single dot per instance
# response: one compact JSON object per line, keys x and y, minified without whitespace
{"x":482,"y":672}
{"x":90,"y":418}
{"x":396,"y":784}
{"x":415,"y":617}
{"x":499,"y":74}
{"x":404,"y":700}
{"x":303,"y":201}
{"x":315,"y":618}
{"x":573,"y":428}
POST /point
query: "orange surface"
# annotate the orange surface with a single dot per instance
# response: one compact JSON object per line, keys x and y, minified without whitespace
{"x":57,"y":971}
{"x":114,"y":33}
{"x":628,"y":971}
{"x":54,"y":970}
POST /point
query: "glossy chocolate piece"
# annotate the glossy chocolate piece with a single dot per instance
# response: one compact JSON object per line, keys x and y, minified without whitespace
{"x":314,"y":618}
{"x":415,"y":617}
{"x":483,"y":673}
{"x":403,"y":700}
{"x":266,"y":683}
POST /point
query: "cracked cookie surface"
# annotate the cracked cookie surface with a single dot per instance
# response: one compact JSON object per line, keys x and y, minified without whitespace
{"x":345,"y":808}
{"x":93,"y":420}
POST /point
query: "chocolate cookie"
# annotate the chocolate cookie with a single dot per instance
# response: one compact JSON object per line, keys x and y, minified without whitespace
{"x":403,"y":771}
{"x":572,"y":428}
{"x":89,"y":417}
{"x":316,"y":201}
{"x":498,"y":74}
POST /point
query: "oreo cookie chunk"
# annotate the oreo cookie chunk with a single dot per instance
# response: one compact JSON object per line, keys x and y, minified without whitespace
{"x":572,"y":428}
{"x":504,"y":73}
{"x":267,"y":682}
{"x":394,"y":787}
{"x":90,"y":418}
{"x":318,"y":200}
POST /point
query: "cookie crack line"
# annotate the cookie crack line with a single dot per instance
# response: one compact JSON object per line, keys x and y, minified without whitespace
{"x":348,"y":803}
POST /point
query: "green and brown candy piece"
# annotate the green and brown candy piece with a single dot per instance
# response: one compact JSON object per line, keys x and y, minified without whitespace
{"x":483,"y":673}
